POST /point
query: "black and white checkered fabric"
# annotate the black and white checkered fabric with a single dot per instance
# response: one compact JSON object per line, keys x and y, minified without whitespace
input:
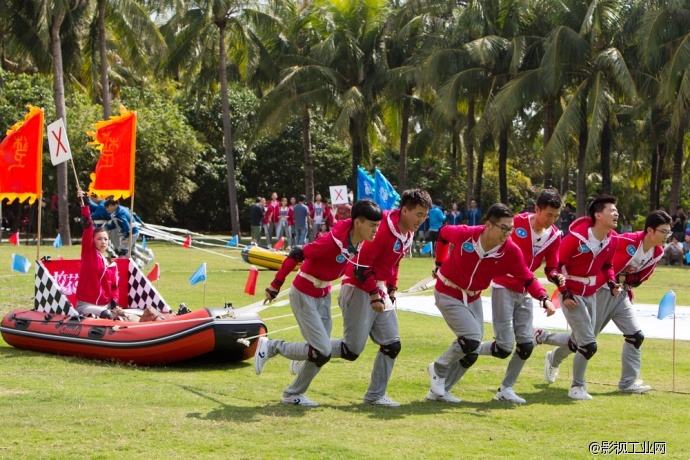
{"x":48,"y":295}
{"x":142,"y":293}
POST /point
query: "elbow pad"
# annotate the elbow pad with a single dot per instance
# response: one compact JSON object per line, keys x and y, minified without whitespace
{"x":297,"y":253}
{"x":362,"y":273}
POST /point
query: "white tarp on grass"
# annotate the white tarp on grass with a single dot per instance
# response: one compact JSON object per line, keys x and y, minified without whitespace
{"x":646,"y":315}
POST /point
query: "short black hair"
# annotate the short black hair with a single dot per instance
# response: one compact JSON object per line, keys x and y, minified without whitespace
{"x":549,"y":197}
{"x":367,"y":209}
{"x":257,"y":199}
{"x":656,"y":219}
{"x":302,"y":199}
{"x":599,"y":203}
{"x":498,"y":211}
{"x":111,"y":202}
{"x":415,"y":196}
{"x":438,"y":202}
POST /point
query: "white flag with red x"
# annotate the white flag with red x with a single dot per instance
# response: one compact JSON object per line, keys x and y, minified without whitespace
{"x":58,"y":143}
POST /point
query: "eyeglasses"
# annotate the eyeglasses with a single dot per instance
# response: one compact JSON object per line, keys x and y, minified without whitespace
{"x":504,"y":229}
{"x":665,"y":232}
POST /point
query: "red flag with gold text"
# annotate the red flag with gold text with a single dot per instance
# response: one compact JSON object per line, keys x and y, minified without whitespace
{"x":116,"y":139}
{"x":21,"y":155}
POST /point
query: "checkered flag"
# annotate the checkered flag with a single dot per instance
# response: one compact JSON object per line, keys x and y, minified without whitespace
{"x":142,"y":293}
{"x":48,"y":295}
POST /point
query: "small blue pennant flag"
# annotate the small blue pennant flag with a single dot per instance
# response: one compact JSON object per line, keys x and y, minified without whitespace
{"x":20,"y":264}
{"x":57,"y":244}
{"x":386,"y":196}
{"x":667,"y":306}
{"x":427,"y":248}
{"x":199,"y":275}
{"x":143,"y":241}
{"x":365,"y":185}
{"x":233,"y":241}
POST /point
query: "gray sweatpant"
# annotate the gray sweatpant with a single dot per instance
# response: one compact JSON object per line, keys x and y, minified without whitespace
{"x":609,"y":308}
{"x":359,"y":322}
{"x":315,"y":323}
{"x":465,"y":321}
{"x":512,"y":317}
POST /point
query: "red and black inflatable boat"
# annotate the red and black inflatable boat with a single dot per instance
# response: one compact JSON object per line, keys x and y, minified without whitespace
{"x":54,"y":327}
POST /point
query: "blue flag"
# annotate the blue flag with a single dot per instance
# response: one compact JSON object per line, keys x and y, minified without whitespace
{"x":365,"y":185}
{"x":386,"y":196}
{"x":199,"y":275}
{"x":143,"y":241}
{"x":58,"y":242}
{"x":667,"y":305}
{"x":427,"y":248}
{"x":233,"y":241}
{"x":20,"y":264}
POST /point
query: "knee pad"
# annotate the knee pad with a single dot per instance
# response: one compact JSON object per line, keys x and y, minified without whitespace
{"x":635,"y":339}
{"x":468,"y":345}
{"x":316,"y":357}
{"x":571,"y":345}
{"x":588,"y":350}
{"x":524,"y":350}
{"x":469,"y":360}
{"x":107,"y":314}
{"x":499,"y":352}
{"x":391,"y":350}
{"x":346,"y":354}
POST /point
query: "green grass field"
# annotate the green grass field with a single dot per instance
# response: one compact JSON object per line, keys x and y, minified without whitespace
{"x":69,"y":408}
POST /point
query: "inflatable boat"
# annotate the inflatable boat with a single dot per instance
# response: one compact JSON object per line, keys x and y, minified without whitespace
{"x":267,"y":258}
{"x":54,"y":326}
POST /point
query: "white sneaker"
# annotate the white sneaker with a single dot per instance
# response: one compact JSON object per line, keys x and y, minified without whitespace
{"x":261,"y":354}
{"x":579,"y":392}
{"x":637,"y":387}
{"x":507,"y":394}
{"x":384,"y":401}
{"x":438,"y":385}
{"x":539,"y":335}
{"x":550,"y":371}
{"x":296,"y":366}
{"x":299,"y":400}
{"x":449,"y":398}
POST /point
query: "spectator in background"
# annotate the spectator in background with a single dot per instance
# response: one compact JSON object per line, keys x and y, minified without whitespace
{"x":256,"y":217}
{"x":421,"y":235}
{"x":678,"y":223}
{"x":686,"y":247}
{"x":673,"y":252}
{"x":626,"y":227}
{"x":285,"y":219}
{"x":567,"y":217}
{"x":529,"y":206}
{"x":342,"y":211}
{"x":266,"y":222}
{"x":293,"y":240}
{"x":436,"y":219}
{"x":300,"y":213}
{"x":319,"y":213}
{"x":273,"y":211}
{"x":454,"y":216}
{"x":473,"y":214}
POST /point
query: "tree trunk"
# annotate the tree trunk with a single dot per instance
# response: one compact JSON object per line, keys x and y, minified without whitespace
{"x":404,"y":138}
{"x":227,"y":135}
{"x":60,"y":112}
{"x":653,"y":191}
{"x":478,"y":181}
{"x":469,"y":145}
{"x":677,"y":173}
{"x":105,"y":85}
{"x":549,"y":124}
{"x":357,"y":149}
{"x":503,"y":166}
{"x":581,"y":191}
{"x":606,"y":159}
{"x":308,"y":158}
{"x":660,"y":173}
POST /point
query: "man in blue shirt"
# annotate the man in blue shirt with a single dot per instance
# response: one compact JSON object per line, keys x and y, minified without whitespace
{"x":436,"y":219}
{"x":300,"y":213}
{"x":474,"y":214}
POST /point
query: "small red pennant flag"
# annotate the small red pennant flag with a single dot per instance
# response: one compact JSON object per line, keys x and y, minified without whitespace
{"x":250,"y":287}
{"x":155,"y":274}
{"x":188,"y":242}
{"x":14,"y":239}
{"x":555,"y":301}
{"x":279,"y":244}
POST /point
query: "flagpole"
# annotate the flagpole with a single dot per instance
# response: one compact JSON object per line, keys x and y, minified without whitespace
{"x":673,"y":366}
{"x":130,"y":241}
{"x":38,"y":228}
{"x":204,"y":303}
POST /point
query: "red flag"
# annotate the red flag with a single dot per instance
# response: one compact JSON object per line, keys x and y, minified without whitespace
{"x":555,"y":301}
{"x":116,"y":139}
{"x":155,"y":274}
{"x":279,"y":244}
{"x":250,"y":287}
{"x":14,"y":239}
{"x":188,"y":242}
{"x":21,"y":154}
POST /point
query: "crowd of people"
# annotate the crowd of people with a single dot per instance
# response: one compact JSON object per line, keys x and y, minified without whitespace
{"x":594,"y":268}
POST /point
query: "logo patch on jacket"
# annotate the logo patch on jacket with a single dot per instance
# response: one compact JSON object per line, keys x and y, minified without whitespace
{"x":397,"y":245}
{"x":631,"y":250}
{"x":467,"y":246}
{"x":583,"y":248}
{"x":521,"y":232}
{"x":340,"y":259}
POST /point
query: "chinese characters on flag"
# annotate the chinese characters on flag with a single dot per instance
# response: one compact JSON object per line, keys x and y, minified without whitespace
{"x":116,"y":139}
{"x":20,"y":159}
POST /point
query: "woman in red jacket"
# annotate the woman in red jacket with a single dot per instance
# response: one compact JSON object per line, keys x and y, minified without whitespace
{"x":97,"y":290}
